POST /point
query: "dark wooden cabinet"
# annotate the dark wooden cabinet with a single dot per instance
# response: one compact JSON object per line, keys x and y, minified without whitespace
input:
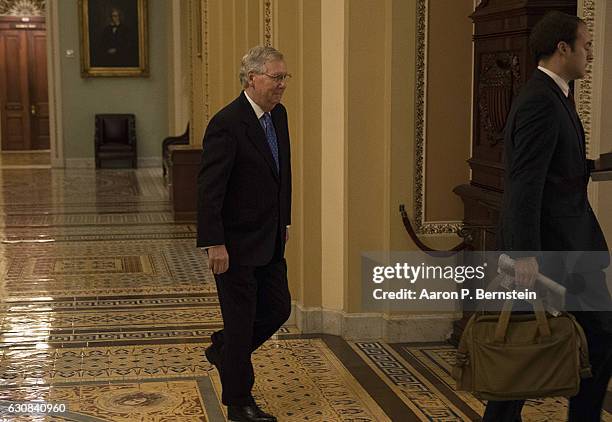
{"x":502,"y":64}
{"x":183,"y":171}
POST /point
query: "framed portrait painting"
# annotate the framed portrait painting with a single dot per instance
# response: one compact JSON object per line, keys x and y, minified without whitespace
{"x":114,"y":38}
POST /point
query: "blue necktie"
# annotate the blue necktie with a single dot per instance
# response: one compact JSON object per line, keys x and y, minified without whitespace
{"x":271,"y":136}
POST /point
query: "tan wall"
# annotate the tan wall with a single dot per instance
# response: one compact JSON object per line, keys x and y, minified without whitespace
{"x":296,"y":32}
{"x":232,"y":27}
{"x":334,"y":33}
{"x":403,"y":73}
{"x":197,"y":68}
{"x":449,"y":93}
{"x":185,"y":61}
{"x":82,"y":98}
{"x":287,"y":39}
{"x":179,"y":57}
{"x":368,"y":111}
{"x":351,"y":113}
{"x":351,"y":107}
{"x":308,"y":143}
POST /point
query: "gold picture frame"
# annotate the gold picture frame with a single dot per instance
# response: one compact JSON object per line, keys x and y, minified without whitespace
{"x":114,"y":38}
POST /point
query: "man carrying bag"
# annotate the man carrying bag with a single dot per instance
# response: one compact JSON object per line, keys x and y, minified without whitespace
{"x":546,"y":208}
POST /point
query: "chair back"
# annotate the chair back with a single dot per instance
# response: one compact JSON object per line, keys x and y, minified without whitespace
{"x":115,"y":138}
{"x":115,"y":130}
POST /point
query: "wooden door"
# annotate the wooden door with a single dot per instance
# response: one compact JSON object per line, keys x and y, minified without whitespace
{"x":38,"y":89}
{"x":15,"y":90}
{"x":24,"y":105}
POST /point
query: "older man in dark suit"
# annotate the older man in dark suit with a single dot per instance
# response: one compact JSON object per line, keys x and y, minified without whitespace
{"x":244,"y":210}
{"x":547,"y":222}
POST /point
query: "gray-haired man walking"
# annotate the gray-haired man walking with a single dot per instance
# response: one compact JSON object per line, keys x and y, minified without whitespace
{"x":244,"y":209}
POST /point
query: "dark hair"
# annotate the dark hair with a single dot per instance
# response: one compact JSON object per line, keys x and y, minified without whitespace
{"x":553,"y":28}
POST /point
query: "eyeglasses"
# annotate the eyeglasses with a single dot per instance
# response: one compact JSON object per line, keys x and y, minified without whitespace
{"x":279,"y":78}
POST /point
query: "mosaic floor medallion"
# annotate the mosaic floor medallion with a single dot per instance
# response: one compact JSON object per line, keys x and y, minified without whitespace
{"x":155,"y":401}
{"x":138,"y":401}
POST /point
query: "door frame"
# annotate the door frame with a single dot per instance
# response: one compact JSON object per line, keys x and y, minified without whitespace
{"x":54,"y":79}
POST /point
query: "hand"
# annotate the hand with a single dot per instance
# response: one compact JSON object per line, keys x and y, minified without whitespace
{"x":218,"y":259}
{"x":287,"y":235}
{"x":111,"y":51}
{"x":525,"y":271}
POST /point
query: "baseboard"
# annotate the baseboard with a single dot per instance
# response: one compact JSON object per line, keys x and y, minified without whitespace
{"x":291,"y":320}
{"x":80,"y":163}
{"x":373,"y":326}
{"x":90,"y":163}
{"x":418,"y":328}
{"x":149,"y":162}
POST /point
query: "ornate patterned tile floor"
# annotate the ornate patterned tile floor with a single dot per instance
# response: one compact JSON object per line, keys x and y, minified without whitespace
{"x":106,"y":307}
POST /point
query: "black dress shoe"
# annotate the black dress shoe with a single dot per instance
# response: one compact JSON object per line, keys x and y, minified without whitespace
{"x":250,"y":413}
{"x":213,"y":357}
{"x":263,"y":414}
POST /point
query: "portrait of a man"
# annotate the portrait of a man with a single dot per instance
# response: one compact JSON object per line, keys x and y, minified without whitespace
{"x":117,"y":43}
{"x":114,"y":37}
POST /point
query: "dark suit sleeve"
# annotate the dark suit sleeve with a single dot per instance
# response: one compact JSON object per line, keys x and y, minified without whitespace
{"x":591,"y":165}
{"x":289,"y":181}
{"x":536,"y":131}
{"x":218,"y":153}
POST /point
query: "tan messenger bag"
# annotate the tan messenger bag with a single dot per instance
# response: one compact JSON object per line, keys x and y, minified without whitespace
{"x":521,"y":356}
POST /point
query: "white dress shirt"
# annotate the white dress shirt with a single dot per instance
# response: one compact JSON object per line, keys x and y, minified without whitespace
{"x":562,"y":83}
{"x":258,"y":110}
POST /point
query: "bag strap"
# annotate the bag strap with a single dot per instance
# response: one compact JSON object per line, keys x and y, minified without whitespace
{"x":504,"y":320}
{"x":585,"y":364}
{"x":543,"y":325}
{"x":492,"y":286}
{"x":462,"y":353}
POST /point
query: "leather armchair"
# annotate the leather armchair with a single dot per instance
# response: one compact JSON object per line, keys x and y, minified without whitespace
{"x":115,"y":138}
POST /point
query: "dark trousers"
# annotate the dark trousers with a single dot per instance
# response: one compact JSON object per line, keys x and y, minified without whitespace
{"x":587,"y":404}
{"x":255,"y":302}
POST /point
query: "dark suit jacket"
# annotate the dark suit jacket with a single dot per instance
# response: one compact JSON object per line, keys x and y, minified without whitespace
{"x":243,"y":201}
{"x":545,"y":200}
